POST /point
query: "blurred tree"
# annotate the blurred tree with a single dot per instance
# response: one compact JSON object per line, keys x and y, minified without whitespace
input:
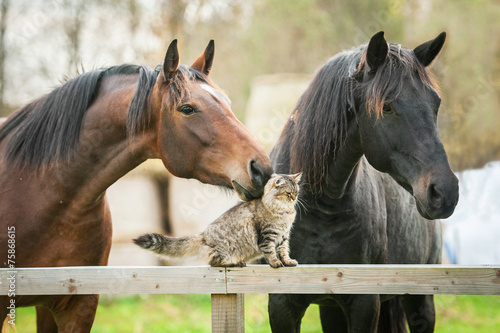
{"x":135,"y":15}
{"x":73,"y":22}
{"x":170,"y":21}
{"x":4,"y":9}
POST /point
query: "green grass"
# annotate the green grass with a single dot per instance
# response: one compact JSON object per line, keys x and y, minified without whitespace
{"x":464,"y":314}
{"x":191,"y":313}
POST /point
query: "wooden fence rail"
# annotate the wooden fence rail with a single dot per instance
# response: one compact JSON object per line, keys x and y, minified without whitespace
{"x":227,"y":285}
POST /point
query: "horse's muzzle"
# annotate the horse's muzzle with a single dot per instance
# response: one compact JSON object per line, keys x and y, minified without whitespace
{"x":440,"y":197}
{"x":259,"y":175}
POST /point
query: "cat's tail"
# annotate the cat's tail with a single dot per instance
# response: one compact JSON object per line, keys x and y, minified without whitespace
{"x":173,"y":247}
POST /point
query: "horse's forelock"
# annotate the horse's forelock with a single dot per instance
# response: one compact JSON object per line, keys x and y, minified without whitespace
{"x":387,"y":82}
{"x":179,"y":85}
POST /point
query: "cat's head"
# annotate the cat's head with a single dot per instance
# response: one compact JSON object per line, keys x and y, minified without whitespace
{"x":283,"y":187}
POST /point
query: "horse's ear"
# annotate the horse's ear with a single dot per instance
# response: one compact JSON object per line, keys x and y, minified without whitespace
{"x":205,"y":60}
{"x":428,"y":51}
{"x":376,"y":51}
{"x":171,"y":62}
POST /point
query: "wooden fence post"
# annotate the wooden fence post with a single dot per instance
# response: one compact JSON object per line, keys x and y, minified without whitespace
{"x":228,"y":313}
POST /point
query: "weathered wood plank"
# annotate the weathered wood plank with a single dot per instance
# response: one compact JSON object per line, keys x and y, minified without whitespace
{"x":365,"y":279}
{"x":115,"y":280}
{"x":304,"y":279}
{"x":228,"y":313}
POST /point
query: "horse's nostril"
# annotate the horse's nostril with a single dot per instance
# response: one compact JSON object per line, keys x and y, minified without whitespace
{"x":435,"y":196}
{"x":440,"y":197}
{"x":256,"y":174}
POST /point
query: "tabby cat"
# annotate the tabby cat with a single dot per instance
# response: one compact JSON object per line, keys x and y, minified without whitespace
{"x":244,"y":232}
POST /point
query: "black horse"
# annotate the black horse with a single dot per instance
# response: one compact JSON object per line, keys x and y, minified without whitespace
{"x":367,"y":123}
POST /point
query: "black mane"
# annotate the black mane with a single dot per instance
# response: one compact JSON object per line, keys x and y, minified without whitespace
{"x":48,"y":128}
{"x":317,"y":128}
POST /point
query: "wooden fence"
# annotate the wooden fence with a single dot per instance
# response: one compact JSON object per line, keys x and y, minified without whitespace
{"x":227,"y":285}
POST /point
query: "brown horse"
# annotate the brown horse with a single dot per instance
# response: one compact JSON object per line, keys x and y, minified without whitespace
{"x":60,"y":153}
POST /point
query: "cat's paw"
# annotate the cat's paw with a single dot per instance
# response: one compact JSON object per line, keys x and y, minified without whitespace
{"x":290,"y":262}
{"x":275,"y":264}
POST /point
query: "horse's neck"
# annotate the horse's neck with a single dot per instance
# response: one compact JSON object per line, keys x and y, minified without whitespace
{"x":104,"y":152}
{"x":344,"y":166}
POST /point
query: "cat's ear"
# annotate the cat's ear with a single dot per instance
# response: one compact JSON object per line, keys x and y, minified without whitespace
{"x":297,"y":176}
{"x":280,"y":181}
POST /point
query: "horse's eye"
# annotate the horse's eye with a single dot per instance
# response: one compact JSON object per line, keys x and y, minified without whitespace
{"x":186,"y":110}
{"x":387,"y":108}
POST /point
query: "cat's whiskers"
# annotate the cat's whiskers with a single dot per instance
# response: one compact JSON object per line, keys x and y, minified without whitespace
{"x":300,"y":206}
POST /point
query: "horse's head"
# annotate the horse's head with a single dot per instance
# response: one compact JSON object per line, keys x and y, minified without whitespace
{"x":397,"y":116}
{"x":198,"y":134}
